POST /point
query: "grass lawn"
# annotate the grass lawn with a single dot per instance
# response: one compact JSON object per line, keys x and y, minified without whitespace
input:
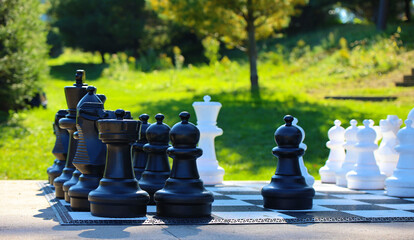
{"x":244,"y":150}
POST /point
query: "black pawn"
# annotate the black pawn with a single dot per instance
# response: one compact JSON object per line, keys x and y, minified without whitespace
{"x":288,"y":189}
{"x":157,"y":169}
{"x":139,"y":157}
{"x":90,"y":154}
{"x":60,"y":150}
{"x":73,"y":95}
{"x":118,"y":194}
{"x":184,"y":194}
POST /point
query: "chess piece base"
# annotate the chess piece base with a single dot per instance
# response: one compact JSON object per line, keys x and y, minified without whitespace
{"x":55,"y":171}
{"x":365,"y":182}
{"x":400,"y":191}
{"x":288,"y":193}
{"x":211,"y":177}
{"x":328,"y":173}
{"x":120,"y":198}
{"x":59,"y":181}
{"x":79,"y":192}
{"x":152,"y":182}
{"x":71,"y":182}
{"x":183,"y":198}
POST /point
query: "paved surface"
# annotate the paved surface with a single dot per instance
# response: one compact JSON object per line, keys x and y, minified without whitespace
{"x":25,"y":214}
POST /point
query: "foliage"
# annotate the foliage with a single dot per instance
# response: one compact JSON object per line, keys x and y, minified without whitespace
{"x":23,"y":51}
{"x":106,"y":26}
{"x":211,"y":49}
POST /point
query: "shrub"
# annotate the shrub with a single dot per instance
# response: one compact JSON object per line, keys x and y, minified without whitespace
{"x":23,"y":51}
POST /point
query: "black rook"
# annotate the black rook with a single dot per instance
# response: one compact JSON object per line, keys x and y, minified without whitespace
{"x":118,"y":194}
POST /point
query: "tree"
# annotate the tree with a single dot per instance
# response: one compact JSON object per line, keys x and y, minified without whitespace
{"x":238,"y":23}
{"x":106,"y":26}
{"x":23,"y":51}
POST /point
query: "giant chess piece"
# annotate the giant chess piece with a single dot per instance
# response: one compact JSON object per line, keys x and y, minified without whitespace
{"x":336,"y":154}
{"x":310,"y":180}
{"x":118,"y":194}
{"x":366,"y":174}
{"x":386,"y":154}
{"x":60,"y":150}
{"x":139,"y":157}
{"x":158,"y":166}
{"x":288,"y":189}
{"x":184,"y":194}
{"x":351,"y":154}
{"x":401,"y":183}
{"x":90,"y":154}
{"x":73,"y":95}
{"x":210,"y":171}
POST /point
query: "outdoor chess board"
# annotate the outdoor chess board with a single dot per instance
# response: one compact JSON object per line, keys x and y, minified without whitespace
{"x":242,"y":203}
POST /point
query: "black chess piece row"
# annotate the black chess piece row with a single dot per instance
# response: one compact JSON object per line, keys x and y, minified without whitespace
{"x":108,"y":186}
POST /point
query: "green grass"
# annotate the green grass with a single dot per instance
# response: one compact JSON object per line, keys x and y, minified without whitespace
{"x":244,"y":150}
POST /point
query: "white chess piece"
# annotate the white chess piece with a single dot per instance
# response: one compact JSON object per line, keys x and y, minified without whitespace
{"x":336,"y":154}
{"x":401,"y":183}
{"x":386,"y":154}
{"x":366,"y":174}
{"x":350,"y":156}
{"x":210,"y":171}
{"x":310,"y":180}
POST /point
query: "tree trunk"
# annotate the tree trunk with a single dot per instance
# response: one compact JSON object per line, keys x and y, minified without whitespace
{"x":252,"y":50}
{"x":102,"y":57}
{"x":407,"y":9}
{"x":382,"y":15}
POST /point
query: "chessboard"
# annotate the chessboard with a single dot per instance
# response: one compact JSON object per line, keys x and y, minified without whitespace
{"x":242,"y":203}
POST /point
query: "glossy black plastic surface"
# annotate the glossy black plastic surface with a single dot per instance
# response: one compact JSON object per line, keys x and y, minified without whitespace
{"x":139,"y":157}
{"x":157,"y":169}
{"x":60,"y":150}
{"x":184,"y":194}
{"x":118,"y":194}
{"x":288,"y":189}
{"x":73,"y":95}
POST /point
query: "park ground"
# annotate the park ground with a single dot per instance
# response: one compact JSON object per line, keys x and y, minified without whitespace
{"x":296,"y":74}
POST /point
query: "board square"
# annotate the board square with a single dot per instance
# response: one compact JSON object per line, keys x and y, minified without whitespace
{"x":381,"y":213}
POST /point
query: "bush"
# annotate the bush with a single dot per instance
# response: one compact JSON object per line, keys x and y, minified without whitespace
{"x":23,"y":51}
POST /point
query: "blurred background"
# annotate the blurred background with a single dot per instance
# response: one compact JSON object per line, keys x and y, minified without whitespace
{"x":262,"y":59}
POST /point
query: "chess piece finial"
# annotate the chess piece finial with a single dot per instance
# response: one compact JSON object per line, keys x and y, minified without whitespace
{"x":171,"y":200}
{"x":80,"y":77}
{"x":120,"y":113}
{"x":207,"y":98}
{"x":288,"y":189}
{"x":144,"y":118}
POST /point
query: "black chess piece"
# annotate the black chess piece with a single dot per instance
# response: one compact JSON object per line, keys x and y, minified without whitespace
{"x":157,"y":169}
{"x":139,"y":157}
{"x":60,"y":150}
{"x":184,"y":194}
{"x":288,"y":189}
{"x":91,"y":152}
{"x":118,"y":194}
{"x":73,"y":95}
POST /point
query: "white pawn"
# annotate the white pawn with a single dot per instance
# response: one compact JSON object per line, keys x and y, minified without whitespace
{"x":310,"y":180}
{"x":401,"y":183}
{"x":336,"y":155}
{"x":386,"y":154}
{"x":351,"y":154}
{"x":210,"y":171}
{"x":366,"y":174}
